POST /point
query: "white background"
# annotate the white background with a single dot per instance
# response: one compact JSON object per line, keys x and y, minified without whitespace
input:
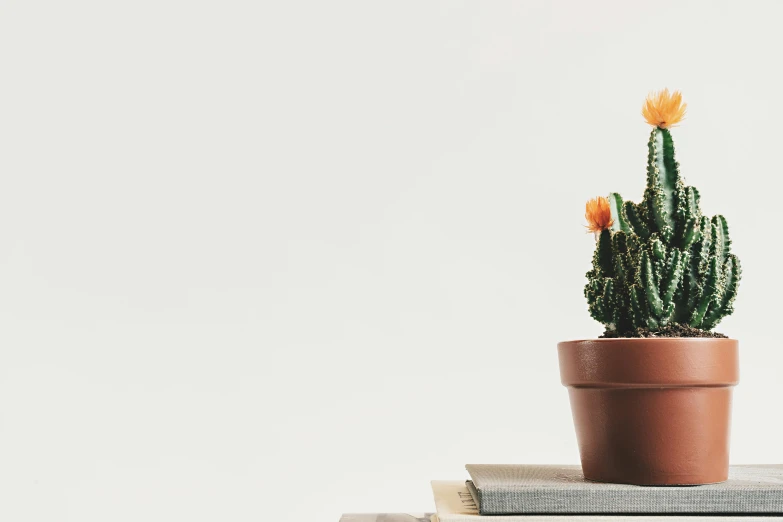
{"x":257,"y":257}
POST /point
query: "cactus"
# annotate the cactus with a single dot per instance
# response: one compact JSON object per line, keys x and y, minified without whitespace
{"x":660,"y":262}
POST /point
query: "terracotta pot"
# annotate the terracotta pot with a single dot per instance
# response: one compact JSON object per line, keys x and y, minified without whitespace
{"x":652,"y":411}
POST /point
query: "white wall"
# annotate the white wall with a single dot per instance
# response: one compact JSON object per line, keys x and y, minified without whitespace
{"x":257,"y":256}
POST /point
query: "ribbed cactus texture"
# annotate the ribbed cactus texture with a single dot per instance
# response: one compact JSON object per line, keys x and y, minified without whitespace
{"x":662,"y":261}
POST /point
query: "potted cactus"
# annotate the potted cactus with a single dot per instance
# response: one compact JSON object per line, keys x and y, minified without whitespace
{"x":651,"y":399}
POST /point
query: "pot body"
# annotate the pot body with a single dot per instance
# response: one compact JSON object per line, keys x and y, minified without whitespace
{"x":652,"y":411}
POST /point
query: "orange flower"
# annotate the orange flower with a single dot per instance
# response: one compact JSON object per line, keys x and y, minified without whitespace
{"x":598,"y":215}
{"x":664,"y":110}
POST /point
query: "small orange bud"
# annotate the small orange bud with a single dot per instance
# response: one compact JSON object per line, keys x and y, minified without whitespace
{"x":598,"y":215}
{"x":663,"y":110}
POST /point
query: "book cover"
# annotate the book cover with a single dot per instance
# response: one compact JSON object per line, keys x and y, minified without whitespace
{"x":454,"y":503}
{"x":506,"y":489}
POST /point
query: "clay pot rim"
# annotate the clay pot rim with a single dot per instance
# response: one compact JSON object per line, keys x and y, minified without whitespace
{"x":632,"y":362}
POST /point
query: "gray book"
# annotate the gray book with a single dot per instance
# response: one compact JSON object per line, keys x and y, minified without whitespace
{"x":505,"y":489}
{"x":454,"y":504}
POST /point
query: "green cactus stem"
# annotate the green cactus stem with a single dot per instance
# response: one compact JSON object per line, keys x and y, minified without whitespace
{"x":661,"y":261}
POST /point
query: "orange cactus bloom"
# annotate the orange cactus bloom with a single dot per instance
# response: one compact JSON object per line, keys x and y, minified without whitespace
{"x":598,"y":215}
{"x":664,"y":110}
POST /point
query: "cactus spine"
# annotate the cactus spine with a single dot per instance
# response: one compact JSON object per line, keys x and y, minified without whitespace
{"x":661,"y":261}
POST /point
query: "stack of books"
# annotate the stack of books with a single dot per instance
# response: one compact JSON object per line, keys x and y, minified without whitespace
{"x":537,"y":493}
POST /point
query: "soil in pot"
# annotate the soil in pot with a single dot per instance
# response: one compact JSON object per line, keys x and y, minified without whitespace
{"x":672,"y":330}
